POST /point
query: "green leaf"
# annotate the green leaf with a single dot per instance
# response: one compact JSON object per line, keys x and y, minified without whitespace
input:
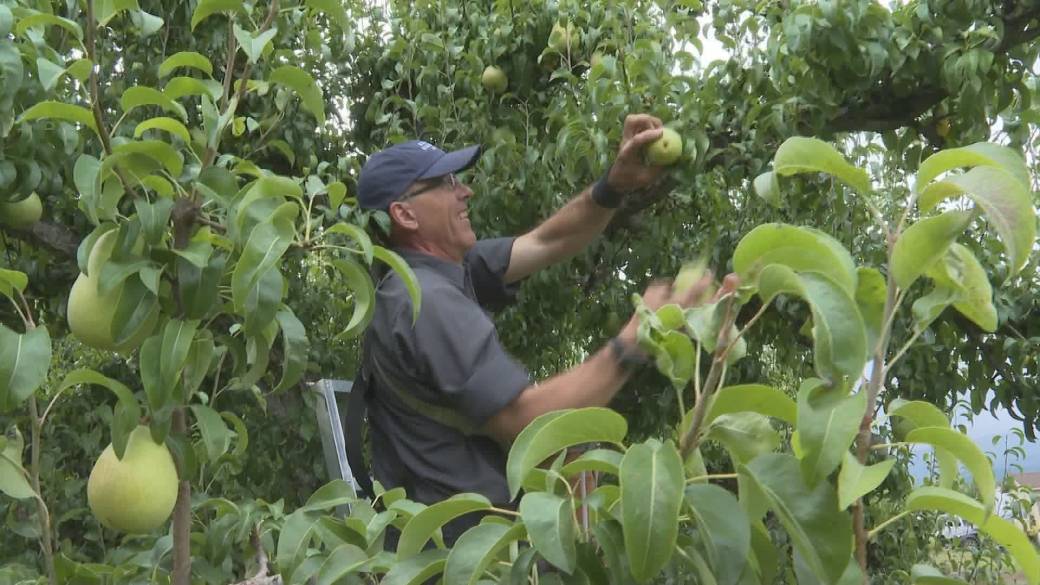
{"x":929,"y":575}
{"x":153,"y":218}
{"x":106,"y":10}
{"x":422,"y":526}
{"x":703,"y":324}
{"x":334,"y":493}
{"x":799,"y":154}
{"x":416,"y":569}
{"x":802,"y":249}
{"x":11,"y":281}
{"x":600,"y":460}
{"x":360,"y":284}
{"x":651,"y":495}
{"x":303,"y":84}
{"x":964,"y":449}
{"x":44,"y":19}
{"x":292,"y":540}
{"x":818,"y":530}
{"x":207,"y":8}
{"x":6,"y":21}
{"x":189,"y":59}
{"x":973,"y":155}
{"x":179,"y":87}
{"x":295,"y":348}
{"x":49,"y":73}
{"x":768,"y":187}
{"x":871,"y":292}
{"x":828,"y":421}
{"x":918,"y":413}
{"x":80,"y":69}
{"x":127,"y":412}
{"x":357,"y":234}
{"x":550,"y":527}
{"x":215,"y":435}
{"x":158,"y":394}
{"x":959,"y":269}
{"x":856,"y":480}
{"x":476,"y":549}
{"x":253,"y":44}
{"x":146,"y":24}
{"x":555,"y":431}
{"x":839,"y":335}
{"x":411,"y":282}
{"x":1002,"y":531}
{"x":675,"y":358}
{"x":334,"y":10}
{"x":157,"y":150}
{"x":267,"y":242}
{"x":166,"y":124}
{"x":176,"y":343}
{"x":337,"y":191}
{"x":724,"y":530}
{"x":745,"y":435}
{"x":342,"y":561}
{"x":60,"y":111}
{"x":24,"y":361}
{"x":924,"y":243}
{"x":197,"y":365}
{"x":141,"y":96}
{"x":13,"y":480}
{"x":752,"y":398}
{"x":1008,"y":206}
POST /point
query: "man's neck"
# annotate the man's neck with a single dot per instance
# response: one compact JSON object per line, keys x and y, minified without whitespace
{"x":432,"y":250}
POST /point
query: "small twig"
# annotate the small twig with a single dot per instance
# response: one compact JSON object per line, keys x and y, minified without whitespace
{"x":883,"y":525}
{"x":712,"y":476}
{"x":903,"y":350}
{"x":41,"y":506}
{"x":692,"y":437}
{"x":205,"y":221}
{"x":262,"y":576}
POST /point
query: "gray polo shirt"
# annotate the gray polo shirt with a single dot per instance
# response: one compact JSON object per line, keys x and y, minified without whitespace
{"x":449,"y":374}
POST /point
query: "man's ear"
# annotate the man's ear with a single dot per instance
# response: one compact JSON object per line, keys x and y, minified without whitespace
{"x":403,"y":216}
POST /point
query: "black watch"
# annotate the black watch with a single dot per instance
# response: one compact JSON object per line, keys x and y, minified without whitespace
{"x":604,"y":195}
{"x":629,"y":357}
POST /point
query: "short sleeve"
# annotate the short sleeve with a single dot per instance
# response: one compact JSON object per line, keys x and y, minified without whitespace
{"x":487,"y":263}
{"x":459,"y":349}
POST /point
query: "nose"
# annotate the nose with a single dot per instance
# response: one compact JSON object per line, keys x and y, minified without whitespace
{"x":464,"y":191}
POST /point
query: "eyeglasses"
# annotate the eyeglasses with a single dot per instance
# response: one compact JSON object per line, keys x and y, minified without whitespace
{"x":450,"y":180}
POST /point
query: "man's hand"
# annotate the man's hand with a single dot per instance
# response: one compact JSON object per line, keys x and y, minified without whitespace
{"x":630,"y":172}
{"x":660,"y":293}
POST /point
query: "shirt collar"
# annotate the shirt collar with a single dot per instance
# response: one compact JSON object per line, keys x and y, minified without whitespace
{"x":454,"y":272}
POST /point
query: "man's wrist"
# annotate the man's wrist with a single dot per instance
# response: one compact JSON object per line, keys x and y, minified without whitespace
{"x":605,"y":195}
{"x":627,"y":354}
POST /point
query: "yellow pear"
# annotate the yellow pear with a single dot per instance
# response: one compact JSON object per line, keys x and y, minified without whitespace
{"x":21,"y":215}
{"x":91,"y":315}
{"x":135,"y":494}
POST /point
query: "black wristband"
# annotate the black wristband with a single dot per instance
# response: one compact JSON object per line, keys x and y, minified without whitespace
{"x":628,"y":357}
{"x":604,"y":195}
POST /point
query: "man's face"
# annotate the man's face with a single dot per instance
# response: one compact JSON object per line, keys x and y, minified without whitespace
{"x":440,"y":207}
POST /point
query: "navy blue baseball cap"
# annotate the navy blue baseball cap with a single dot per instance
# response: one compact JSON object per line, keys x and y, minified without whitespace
{"x":388,"y":173}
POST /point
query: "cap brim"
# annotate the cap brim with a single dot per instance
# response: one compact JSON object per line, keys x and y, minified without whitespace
{"x":453,"y":162}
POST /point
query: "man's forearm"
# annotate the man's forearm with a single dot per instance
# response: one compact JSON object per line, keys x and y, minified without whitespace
{"x":593,"y":382}
{"x":562,"y":235}
{"x":575,"y":224}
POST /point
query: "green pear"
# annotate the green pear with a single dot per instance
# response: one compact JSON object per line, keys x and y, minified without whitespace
{"x":665,"y":150}
{"x":135,"y":494}
{"x":21,"y":215}
{"x":494,"y":79}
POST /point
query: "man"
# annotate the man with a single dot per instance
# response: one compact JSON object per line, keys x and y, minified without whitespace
{"x":445,"y":399}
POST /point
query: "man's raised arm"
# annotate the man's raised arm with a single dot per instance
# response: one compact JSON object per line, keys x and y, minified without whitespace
{"x":576,"y":224}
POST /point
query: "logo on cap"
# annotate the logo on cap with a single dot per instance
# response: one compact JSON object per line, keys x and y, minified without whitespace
{"x":425,"y":145}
